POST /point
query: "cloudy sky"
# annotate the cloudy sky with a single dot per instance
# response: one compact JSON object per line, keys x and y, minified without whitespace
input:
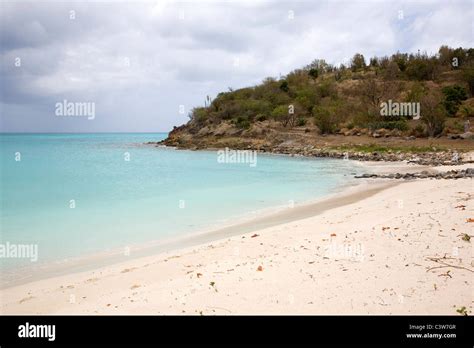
{"x":138,"y":62}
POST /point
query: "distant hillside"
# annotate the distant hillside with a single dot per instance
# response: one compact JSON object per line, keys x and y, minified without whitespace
{"x":321,"y":100}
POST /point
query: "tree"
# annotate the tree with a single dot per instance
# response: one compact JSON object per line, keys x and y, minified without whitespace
{"x":320,"y":65}
{"x":433,"y":114}
{"x":453,"y":97}
{"x":420,"y":68}
{"x":307,"y":98}
{"x":468,"y":76}
{"x":284,"y":86}
{"x":373,"y":92}
{"x":416,"y":92}
{"x":198,"y":114}
{"x":445,"y":55}
{"x":357,"y":62}
{"x":401,"y":59}
{"x":328,"y":115}
{"x":313,"y":72}
{"x":383,"y":62}
{"x":374,"y":62}
{"x":326,"y":88}
{"x":284,"y":114}
{"x":392,"y":71}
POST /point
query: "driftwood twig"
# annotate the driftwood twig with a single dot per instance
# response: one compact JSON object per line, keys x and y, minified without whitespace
{"x":444,"y":264}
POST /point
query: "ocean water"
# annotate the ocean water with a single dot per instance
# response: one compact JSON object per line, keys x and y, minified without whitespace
{"x":74,"y":195}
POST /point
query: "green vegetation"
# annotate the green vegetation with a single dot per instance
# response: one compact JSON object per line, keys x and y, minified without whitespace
{"x":358,"y":62}
{"x":371,"y":148}
{"x":418,"y":130}
{"x":453,"y":97}
{"x":301,"y":122}
{"x":329,"y":97}
{"x":401,"y":125}
{"x":242,"y":122}
{"x":313,"y":72}
{"x":328,"y":115}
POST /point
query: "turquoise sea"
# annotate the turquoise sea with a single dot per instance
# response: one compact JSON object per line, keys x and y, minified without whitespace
{"x":74,"y":195}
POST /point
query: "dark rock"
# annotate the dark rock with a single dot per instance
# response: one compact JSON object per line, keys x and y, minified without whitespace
{"x":451,"y":174}
{"x":454,"y":136}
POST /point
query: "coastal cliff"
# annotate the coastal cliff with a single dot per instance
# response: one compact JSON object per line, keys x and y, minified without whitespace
{"x":404,"y":107}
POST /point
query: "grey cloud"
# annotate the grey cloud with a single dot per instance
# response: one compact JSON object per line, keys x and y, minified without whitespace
{"x":139,"y":61}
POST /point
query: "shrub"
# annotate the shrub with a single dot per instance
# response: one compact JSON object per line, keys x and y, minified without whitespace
{"x":416,"y":92}
{"x":279,"y":111}
{"x":453,"y":97}
{"x":252,"y":107}
{"x":281,"y":114}
{"x":418,"y":131}
{"x":468,"y":76}
{"x":260,"y":118}
{"x":357,"y":62}
{"x":198,"y":114}
{"x":320,"y":65}
{"x":466,"y":111}
{"x":277,"y":97}
{"x":374,"y":62}
{"x":328,"y":116}
{"x":433,"y":114}
{"x":306,"y":97}
{"x":313,"y":72}
{"x":301,"y":122}
{"x":401,"y":125}
{"x":284,"y":86}
{"x":401,"y":59}
{"x":362,"y":119}
{"x":242,"y":122}
{"x":420,"y":68}
{"x":326,"y":89}
{"x":392,"y":71}
{"x":297,"y":78}
{"x":458,"y":126}
{"x":374,"y":92}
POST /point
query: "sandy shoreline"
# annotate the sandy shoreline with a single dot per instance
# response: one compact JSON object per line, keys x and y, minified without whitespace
{"x":366,"y":252}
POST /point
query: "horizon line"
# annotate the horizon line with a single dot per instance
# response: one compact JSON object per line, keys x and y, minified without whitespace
{"x":84,"y":132}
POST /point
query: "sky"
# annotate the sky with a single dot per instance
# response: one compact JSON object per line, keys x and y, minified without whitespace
{"x":142,"y":66}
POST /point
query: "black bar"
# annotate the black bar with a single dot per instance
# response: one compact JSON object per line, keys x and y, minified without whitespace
{"x":219,"y":330}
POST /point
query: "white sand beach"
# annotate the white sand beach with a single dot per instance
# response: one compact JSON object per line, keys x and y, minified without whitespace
{"x":384,"y":247}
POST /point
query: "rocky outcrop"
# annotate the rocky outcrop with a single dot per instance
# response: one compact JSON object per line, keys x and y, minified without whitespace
{"x":425,"y":158}
{"x":265,"y":137}
{"x":451,"y":174}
